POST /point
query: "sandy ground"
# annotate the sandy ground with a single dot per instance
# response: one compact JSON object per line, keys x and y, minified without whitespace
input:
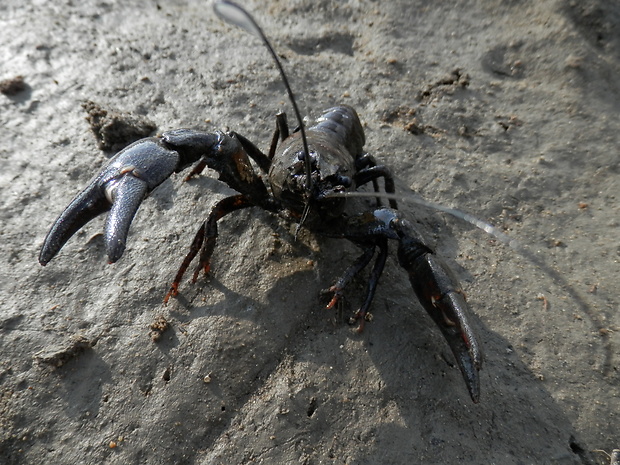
{"x":252,"y":368}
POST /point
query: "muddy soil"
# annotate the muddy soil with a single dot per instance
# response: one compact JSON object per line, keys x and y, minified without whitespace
{"x":506,"y":110}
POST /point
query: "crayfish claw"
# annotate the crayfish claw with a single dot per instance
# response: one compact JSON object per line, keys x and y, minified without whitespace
{"x":461,"y":340}
{"x":129,"y":192}
{"x":90,"y":203}
{"x":440,"y":294}
{"x":120,"y":187}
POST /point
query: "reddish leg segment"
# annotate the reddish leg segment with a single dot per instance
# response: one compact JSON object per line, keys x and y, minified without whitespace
{"x":204,"y":241}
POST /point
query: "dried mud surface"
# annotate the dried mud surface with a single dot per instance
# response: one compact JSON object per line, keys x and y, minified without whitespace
{"x":507,"y":110}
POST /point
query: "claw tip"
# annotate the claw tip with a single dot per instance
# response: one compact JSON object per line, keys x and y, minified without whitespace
{"x":42,"y":259}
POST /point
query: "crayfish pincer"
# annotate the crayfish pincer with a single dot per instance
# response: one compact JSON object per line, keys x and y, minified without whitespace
{"x":304,"y":176}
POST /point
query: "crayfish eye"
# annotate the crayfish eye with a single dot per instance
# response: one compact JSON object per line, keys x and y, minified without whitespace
{"x":301,"y":159}
{"x":342,"y":182}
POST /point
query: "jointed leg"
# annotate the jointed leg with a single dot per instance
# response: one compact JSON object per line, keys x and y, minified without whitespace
{"x":373,"y":281}
{"x":279,"y":134}
{"x":349,"y":274}
{"x":368,"y":170}
{"x":254,"y":152}
{"x":204,"y":241}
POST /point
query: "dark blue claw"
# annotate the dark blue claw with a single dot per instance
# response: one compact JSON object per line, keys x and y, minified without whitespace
{"x":131,"y":191}
{"x":90,"y":203}
{"x":440,"y":294}
{"x":435,"y":286}
{"x":121,"y":187}
{"x":443,"y":299}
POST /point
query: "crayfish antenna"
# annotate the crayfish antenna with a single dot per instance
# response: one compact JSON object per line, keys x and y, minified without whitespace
{"x":459,"y":214}
{"x":236,"y":15}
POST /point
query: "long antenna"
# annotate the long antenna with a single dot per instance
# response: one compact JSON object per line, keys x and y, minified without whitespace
{"x":461,"y":215}
{"x":237,"y":16}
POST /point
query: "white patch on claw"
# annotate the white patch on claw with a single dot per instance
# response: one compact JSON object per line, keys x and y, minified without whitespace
{"x":110,"y":190}
{"x":112,"y":184}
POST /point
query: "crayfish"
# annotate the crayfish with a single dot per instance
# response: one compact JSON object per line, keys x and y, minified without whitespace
{"x":304,"y":176}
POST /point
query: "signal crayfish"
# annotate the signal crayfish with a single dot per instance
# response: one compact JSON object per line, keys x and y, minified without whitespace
{"x":306,"y":175}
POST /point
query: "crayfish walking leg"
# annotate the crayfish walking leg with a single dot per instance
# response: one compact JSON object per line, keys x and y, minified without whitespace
{"x":204,"y":240}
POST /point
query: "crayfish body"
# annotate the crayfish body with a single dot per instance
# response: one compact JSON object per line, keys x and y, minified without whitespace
{"x":295,"y":187}
{"x":338,"y":164}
